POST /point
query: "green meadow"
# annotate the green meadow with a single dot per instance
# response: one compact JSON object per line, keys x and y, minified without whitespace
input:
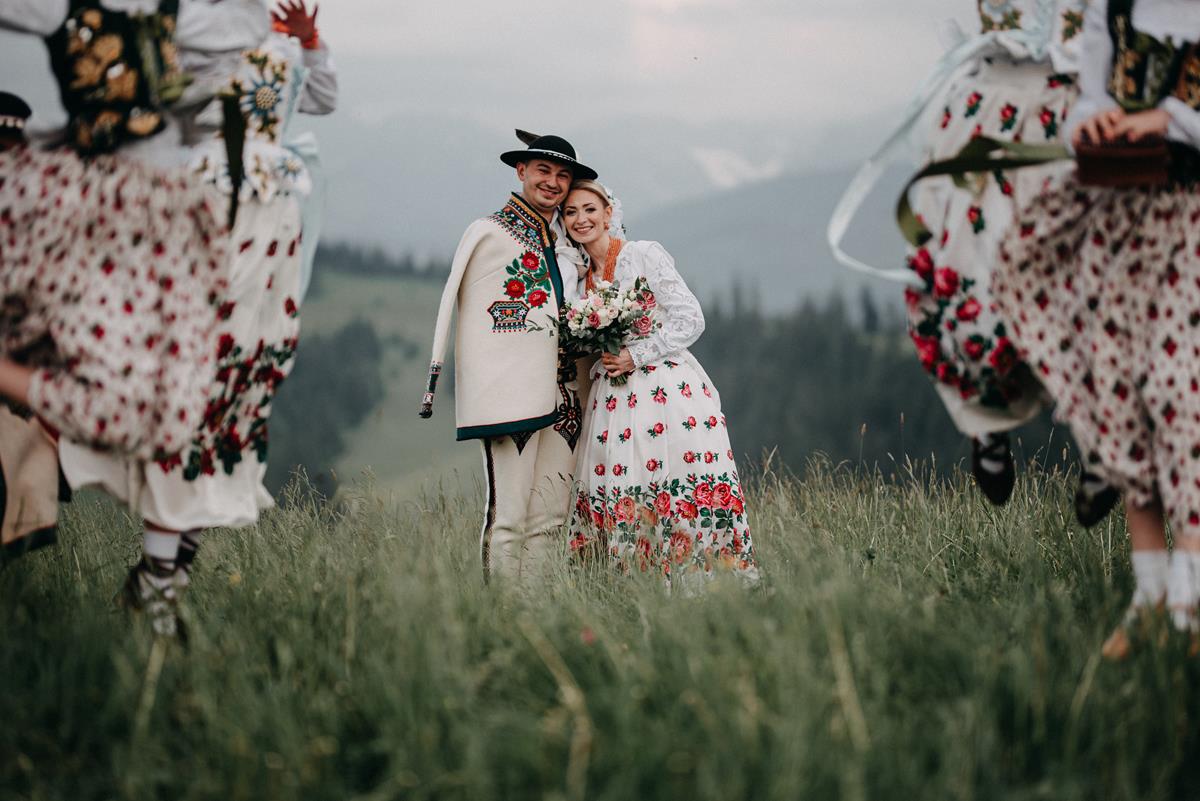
{"x":908,"y":642}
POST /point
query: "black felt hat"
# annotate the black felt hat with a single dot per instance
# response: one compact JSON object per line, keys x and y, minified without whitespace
{"x":550,"y":148}
{"x":13,"y":112}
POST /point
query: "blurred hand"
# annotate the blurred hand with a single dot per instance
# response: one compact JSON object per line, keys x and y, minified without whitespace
{"x":1099,"y":129}
{"x":292,"y":18}
{"x":1143,"y":125}
{"x":617,"y":365}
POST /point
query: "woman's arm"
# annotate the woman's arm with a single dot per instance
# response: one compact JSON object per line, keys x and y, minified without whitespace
{"x":1185,"y":122}
{"x":682,"y":317}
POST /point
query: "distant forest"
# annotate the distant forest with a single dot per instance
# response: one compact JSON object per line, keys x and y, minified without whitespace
{"x":834,"y":376}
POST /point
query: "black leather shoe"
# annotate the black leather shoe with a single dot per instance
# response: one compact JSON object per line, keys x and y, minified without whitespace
{"x":1093,"y":505}
{"x":996,"y":487}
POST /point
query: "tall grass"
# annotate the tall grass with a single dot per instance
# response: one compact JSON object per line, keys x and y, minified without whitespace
{"x":909,"y":642}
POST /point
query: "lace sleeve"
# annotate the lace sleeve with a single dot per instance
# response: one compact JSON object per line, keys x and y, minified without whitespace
{"x":679,"y":311}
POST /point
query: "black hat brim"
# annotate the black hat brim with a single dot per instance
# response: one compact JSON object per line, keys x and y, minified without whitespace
{"x":581,"y":172}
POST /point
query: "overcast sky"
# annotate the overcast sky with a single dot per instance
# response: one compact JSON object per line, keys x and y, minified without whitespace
{"x":670,"y":98}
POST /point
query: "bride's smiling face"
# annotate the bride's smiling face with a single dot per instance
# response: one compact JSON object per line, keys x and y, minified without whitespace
{"x":585,"y":216}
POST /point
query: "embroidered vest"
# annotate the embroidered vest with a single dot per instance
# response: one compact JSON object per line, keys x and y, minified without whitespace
{"x":507,"y":290}
{"x":1147,"y":70}
{"x":116,"y":72}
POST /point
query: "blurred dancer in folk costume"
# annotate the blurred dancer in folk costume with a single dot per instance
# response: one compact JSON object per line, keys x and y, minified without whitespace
{"x":29,"y":489}
{"x":658,"y":486}
{"x":114,"y":257}
{"x":1101,"y":281}
{"x":217,"y":479}
{"x":514,"y":390}
{"x":1013,"y":81}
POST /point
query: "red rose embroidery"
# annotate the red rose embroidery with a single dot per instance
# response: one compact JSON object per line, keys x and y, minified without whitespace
{"x":515,"y":288}
{"x":643,"y":326}
{"x":922,"y":263}
{"x":599,"y":469}
{"x":625,"y":510}
{"x":945,"y":282}
{"x":703,"y":495}
{"x":969,"y":310}
{"x":653,"y":465}
{"x":927,"y":350}
{"x":618,"y":470}
{"x":662,"y":504}
{"x":722,"y":496}
{"x":1004,"y":357}
{"x":659,"y":428}
{"x":610,"y":403}
{"x":538,"y":298}
{"x":687,"y":510}
{"x":681,"y":546}
{"x":530,"y":260}
{"x":689,"y":457}
{"x":974,"y":348}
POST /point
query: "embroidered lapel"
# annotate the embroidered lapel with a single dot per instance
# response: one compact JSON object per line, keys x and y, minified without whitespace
{"x":531,"y":230}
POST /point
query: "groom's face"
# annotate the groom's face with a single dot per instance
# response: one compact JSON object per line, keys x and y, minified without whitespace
{"x":544,"y":184}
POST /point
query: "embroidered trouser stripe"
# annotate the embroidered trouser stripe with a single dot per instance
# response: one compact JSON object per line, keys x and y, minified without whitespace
{"x":489,"y":517}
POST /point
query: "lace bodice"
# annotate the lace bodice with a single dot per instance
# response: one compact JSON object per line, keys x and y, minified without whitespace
{"x":677,"y":310}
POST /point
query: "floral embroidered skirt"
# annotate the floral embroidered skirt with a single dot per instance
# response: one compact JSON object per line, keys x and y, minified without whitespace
{"x":961,"y":339}
{"x":109,"y":271}
{"x":658,"y":486}
{"x":217,"y":480}
{"x":1103,"y":291}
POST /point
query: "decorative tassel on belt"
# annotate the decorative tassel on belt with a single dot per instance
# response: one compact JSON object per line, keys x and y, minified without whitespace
{"x":435,"y":370}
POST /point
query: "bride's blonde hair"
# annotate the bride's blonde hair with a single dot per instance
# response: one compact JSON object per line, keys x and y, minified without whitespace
{"x":596,"y":188}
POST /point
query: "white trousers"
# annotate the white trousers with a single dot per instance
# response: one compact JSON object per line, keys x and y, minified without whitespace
{"x":528,"y":500}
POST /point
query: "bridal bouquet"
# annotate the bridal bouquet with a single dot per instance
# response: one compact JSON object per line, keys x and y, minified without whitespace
{"x":606,"y":318}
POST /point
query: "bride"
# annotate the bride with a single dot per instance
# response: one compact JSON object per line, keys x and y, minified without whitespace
{"x":658,"y":486}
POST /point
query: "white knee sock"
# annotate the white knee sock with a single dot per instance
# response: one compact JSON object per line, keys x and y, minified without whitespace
{"x":1183,"y":589}
{"x":1150,"y":578}
{"x":159,"y":551}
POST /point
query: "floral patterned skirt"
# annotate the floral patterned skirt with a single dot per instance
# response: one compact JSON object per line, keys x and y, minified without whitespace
{"x":961,"y":339}
{"x":658,"y":486}
{"x":1103,"y":291}
{"x":109,"y":274}
{"x":217,"y":480}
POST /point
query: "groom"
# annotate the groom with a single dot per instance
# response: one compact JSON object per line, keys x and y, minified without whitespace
{"x":514,"y":390}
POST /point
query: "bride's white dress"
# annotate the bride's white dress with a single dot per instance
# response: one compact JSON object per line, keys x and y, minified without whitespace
{"x":658,"y":486}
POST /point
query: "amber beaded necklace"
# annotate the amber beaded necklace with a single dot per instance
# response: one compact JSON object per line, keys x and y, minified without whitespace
{"x":610,"y":264}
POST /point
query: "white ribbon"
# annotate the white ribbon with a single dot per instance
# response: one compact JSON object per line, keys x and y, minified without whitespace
{"x":1033,"y":40}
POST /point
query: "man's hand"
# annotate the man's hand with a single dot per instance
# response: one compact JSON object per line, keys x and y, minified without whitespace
{"x":617,"y":365}
{"x":292,"y":18}
{"x":1150,"y":124}
{"x":1099,"y":129}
